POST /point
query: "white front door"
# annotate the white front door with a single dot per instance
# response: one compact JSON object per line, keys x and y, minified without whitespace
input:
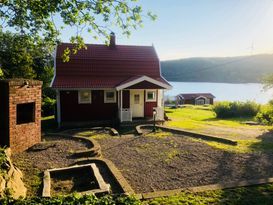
{"x":137,"y":103}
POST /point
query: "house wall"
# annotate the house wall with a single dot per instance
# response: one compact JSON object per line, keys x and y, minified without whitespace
{"x":148,"y":106}
{"x":71,"y":110}
{"x":211,"y":101}
{"x":192,"y":101}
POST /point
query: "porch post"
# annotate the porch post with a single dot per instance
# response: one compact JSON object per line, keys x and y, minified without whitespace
{"x":58,"y":108}
{"x":121,"y":106}
{"x":118,"y":99}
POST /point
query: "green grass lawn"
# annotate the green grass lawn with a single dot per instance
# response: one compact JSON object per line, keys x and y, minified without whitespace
{"x":203,"y":120}
{"x":254,"y":195}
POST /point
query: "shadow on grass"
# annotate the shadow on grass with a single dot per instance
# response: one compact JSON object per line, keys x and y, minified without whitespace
{"x":235,"y":119}
{"x":49,"y":124}
{"x":265,"y":142}
{"x":128,"y":130}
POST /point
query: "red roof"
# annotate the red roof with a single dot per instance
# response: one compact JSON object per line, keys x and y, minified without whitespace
{"x":189,"y":96}
{"x":100,"y":66}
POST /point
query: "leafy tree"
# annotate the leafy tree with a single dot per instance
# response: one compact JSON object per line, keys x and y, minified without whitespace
{"x":36,"y":18}
{"x":22,"y":57}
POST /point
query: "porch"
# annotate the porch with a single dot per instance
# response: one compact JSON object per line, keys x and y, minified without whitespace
{"x":140,"y":104}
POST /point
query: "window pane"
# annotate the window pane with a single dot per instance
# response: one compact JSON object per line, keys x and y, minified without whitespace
{"x":110,"y":96}
{"x":85,"y":96}
{"x":136,"y":98}
{"x":150,"y":95}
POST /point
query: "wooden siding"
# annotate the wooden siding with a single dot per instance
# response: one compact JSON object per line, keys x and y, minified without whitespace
{"x":71,"y":110}
{"x":148,"y":106}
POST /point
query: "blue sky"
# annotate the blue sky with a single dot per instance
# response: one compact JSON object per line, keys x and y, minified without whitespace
{"x":203,"y":28}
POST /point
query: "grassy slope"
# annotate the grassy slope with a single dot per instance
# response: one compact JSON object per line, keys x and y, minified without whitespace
{"x":255,"y":195}
{"x":203,"y":120}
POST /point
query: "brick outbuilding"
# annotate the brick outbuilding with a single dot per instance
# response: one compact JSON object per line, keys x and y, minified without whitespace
{"x":20,"y":113}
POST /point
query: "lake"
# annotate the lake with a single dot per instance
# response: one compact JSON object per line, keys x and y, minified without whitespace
{"x":224,"y":91}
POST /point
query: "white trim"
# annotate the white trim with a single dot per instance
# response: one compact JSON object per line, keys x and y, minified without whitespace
{"x":143,"y":78}
{"x":89,"y":97}
{"x":201,"y":97}
{"x":154,"y":95}
{"x":110,"y":101}
{"x":59,"y":119}
{"x":54,"y":57}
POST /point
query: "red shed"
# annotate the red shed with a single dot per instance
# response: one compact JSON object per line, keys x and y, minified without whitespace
{"x":107,"y":82}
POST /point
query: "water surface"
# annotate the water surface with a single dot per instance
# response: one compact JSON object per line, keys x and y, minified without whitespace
{"x":224,"y":91}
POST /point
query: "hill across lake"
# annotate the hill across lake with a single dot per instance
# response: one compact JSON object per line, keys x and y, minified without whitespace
{"x":242,"y":69}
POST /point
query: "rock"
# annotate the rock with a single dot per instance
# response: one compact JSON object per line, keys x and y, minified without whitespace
{"x":11,"y":180}
{"x":2,"y":186}
{"x":15,"y":184}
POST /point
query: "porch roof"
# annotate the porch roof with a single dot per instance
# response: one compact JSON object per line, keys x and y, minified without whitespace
{"x":144,"y":82}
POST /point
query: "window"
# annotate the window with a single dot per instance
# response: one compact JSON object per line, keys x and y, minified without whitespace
{"x":136,"y":98}
{"x":25,"y":113}
{"x":150,"y":96}
{"x":109,"y":96}
{"x":200,"y":101}
{"x":84,"y":97}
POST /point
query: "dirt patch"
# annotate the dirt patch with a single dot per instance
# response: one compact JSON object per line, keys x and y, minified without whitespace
{"x":67,"y":182}
{"x":53,"y":152}
{"x":171,"y":162}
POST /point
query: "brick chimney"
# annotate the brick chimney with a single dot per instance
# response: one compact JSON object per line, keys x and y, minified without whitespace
{"x":112,"y":40}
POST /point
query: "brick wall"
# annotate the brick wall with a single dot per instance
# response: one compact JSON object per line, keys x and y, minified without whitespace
{"x":22,"y":136}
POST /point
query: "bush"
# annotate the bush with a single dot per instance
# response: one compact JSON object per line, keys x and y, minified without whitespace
{"x":48,"y":106}
{"x":265,"y":116}
{"x":74,"y":200}
{"x":228,"y":109}
{"x":3,"y":159}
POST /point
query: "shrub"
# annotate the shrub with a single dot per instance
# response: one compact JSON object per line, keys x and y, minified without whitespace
{"x":3,"y":159}
{"x":265,"y":116}
{"x":74,"y":200}
{"x":48,"y":106}
{"x":228,"y":109}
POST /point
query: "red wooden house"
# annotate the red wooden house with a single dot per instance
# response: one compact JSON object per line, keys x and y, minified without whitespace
{"x":108,"y":82}
{"x":195,"y":98}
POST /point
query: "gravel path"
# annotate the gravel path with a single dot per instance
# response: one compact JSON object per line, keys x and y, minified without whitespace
{"x":162,"y":163}
{"x":53,"y":152}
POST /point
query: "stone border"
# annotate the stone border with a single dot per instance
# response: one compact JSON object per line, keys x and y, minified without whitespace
{"x":95,"y":151}
{"x":113,"y":131}
{"x":125,"y":186}
{"x":103,"y":187}
{"x":212,"y":187}
{"x":188,"y":133}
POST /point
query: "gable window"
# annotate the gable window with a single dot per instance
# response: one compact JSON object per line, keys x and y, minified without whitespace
{"x":109,"y":96}
{"x":150,"y":95}
{"x":84,"y":96}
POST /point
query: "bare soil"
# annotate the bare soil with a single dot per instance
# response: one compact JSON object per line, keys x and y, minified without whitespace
{"x":67,"y":182}
{"x":162,"y":163}
{"x":53,"y":152}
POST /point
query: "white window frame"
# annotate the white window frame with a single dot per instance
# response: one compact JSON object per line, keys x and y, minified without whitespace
{"x":110,"y":101}
{"x":80,"y":101}
{"x":155,"y":96}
